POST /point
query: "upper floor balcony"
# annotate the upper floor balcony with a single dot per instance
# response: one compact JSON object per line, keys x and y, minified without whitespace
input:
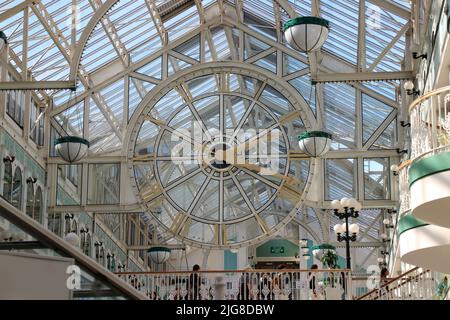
{"x":429,"y":169}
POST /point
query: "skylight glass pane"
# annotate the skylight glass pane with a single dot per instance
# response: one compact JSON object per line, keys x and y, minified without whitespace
{"x":376,"y":179}
{"x":375,"y":113}
{"x":341,"y":178}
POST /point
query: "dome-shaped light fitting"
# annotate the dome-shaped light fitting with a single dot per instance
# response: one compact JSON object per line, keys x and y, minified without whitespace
{"x":73,"y":239}
{"x":409,"y":85}
{"x":71,"y":149}
{"x":354,"y":229}
{"x":339,"y":229}
{"x":315,"y":143}
{"x":306,"y":34}
{"x":159,"y":255}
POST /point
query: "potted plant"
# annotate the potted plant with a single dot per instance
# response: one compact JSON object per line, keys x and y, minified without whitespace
{"x":332,"y":288}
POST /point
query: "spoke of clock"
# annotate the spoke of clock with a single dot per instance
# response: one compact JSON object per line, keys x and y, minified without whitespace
{"x":289,"y":117}
{"x":151,"y":192}
{"x":290,"y":194}
{"x":269,"y":172}
{"x":231,"y":154}
{"x":182,"y":180}
{"x":262,"y":223}
{"x":243,"y":194}
{"x":178,"y":133}
{"x":221,"y":198}
{"x":177,"y":223}
{"x":243,"y":120}
{"x":260,"y":178}
{"x":183,"y":232}
{"x":200,"y":193}
{"x":187,"y":96}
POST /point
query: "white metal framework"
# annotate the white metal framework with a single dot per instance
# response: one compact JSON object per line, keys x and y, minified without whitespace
{"x":126,"y":55}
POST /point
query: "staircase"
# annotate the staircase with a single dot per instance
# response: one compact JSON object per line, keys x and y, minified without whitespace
{"x":95,"y":280}
{"x":416,"y":284}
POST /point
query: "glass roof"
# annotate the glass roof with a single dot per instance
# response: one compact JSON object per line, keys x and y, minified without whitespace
{"x":139,"y":45}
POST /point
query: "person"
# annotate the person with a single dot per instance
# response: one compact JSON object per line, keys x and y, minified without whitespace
{"x":245,"y":287}
{"x":384,"y":280}
{"x":384,"y":276}
{"x":442,"y":289}
{"x":313,"y":282}
{"x":194,"y":283}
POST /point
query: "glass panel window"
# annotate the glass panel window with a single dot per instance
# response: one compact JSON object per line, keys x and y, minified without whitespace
{"x":16,"y":199}
{"x":104,"y":184}
{"x":15,"y":101}
{"x":376,"y":179}
{"x":30,"y":200}
{"x":37,"y":124}
{"x":7,"y":181}
{"x":341,"y":178}
{"x":38,"y":205}
{"x":69,"y":181}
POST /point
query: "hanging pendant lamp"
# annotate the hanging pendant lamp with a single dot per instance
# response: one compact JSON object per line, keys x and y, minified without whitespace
{"x":159,"y":255}
{"x":71,"y":148}
{"x":307,"y":34}
{"x":315,"y":143}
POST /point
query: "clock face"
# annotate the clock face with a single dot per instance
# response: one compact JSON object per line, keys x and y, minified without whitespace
{"x":214,"y":157}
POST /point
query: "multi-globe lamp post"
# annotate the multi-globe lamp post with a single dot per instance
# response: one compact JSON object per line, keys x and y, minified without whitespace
{"x":345,"y":209}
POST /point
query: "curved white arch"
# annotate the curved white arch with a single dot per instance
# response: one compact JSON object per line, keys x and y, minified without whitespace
{"x":107,"y":6}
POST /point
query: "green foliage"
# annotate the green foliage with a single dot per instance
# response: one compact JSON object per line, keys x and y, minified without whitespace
{"x":330,"y":260}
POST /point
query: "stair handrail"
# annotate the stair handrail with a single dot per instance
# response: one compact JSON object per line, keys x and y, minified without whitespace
{"x":388,"y":283}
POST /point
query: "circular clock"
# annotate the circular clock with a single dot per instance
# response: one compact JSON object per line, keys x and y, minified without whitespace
{"x":213,"y":155}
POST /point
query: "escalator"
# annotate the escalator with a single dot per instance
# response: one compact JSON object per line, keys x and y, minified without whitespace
{"x":92,"y":281}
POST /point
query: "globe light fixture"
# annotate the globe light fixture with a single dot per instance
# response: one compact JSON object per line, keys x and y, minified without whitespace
{"x":315,"y":143}
{"x":345,"y":209}
{"x":409,"y":87}
{"x":306,"y":34}
{"x":73,"y":239}
{"x":71,"y":149}
{"x":159,"y":255}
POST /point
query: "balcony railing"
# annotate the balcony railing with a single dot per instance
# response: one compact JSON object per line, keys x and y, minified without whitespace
{"x":244,"y":285}
{"x":430,"y":123}
{"x":416,"y":284}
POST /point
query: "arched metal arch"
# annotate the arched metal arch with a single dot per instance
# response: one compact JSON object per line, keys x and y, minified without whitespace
{"x":104,"y":9}
{"x":81,"y":45}
{"x":296,"y":100}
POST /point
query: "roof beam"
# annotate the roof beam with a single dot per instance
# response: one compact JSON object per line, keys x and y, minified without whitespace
{"x":362,"y":76}
{"x":392,"y":7}
{"x":16,"y":9}
{"x":37,"y":85}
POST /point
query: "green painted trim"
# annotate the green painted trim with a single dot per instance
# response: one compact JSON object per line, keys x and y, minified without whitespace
{"x":71,"y":139}
{"x":324,"y":246}
{"x":409,"y":222}
{"x":306,"y":20}
{"x":315,"y":134}
{"x":429,"y":166}
{"x":159,"y":249}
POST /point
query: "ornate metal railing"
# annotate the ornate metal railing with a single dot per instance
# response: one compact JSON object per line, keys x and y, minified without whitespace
{"x":244,"y":285}
{"x":416,"y":284}
{"x":430,"y":122}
